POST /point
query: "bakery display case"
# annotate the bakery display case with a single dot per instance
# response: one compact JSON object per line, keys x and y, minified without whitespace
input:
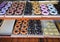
{"x":37,"y":19}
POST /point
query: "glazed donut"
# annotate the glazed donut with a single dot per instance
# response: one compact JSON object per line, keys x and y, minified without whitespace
{"x":16,"y":31}
{"x":36,"y":8}
{"x":37,"y":12}
{"x":18,"y":12}
{"x":35,"y":5}
{"x":24,"y":32}
{"x":10,"y":12}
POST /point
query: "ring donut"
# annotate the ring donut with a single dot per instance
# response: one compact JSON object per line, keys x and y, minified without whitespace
{"x":36,"y":8}
{"x":45,"y":12}
{"x":15,"y":2}
{"x":12,"y":8}
{"x":16,"y":31}
{"x":10,"y":12}
{"x":37,"y":12}
{"x":25,"y":22}
{"x":19,"y":22}
{"x":18,"y":12}
{"x":14,"y":5}
{"x":24,"y":27}
{"x":17,"y":26}
{"x":21,"y":2}
{"x":20,"y":8}
{"x":24,"y":32}
{"x":21,"y":5}
{"x":42,"y":5}
{"x":44,"y":8}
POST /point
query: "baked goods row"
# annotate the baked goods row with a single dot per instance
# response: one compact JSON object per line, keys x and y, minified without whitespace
{"x":30,"y":27}
{"x":28,"y":8}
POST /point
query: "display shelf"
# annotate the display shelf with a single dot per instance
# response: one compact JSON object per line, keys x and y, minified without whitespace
{"x":27,"y":35}
{"x":40,"y":17}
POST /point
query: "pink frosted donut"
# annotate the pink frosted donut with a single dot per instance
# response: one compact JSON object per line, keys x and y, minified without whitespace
{"x":20,"y":8}
{"x":21,"y":5}
{"x":14,"y":5}
{"x":45,"y":12}
{"x":10,"y":12}
{"x":42,"y":5}
{"x":12,"y":8}
{"x":44,"y":8}
{"x":18,"y":12}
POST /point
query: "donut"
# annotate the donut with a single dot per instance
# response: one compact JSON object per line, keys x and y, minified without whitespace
{"x":17,"y":26}
{"x":53,"y":12}
{"x":5,"y":8}
{"x":19,"y":22}
{"x":21,"y":5}
{"x":14,"y":5}
{"x":8,"y":5}
{"x":51,"y":8}
{"x":44,"y":9}
{"x":18,"y":12}
{"x":10,"y":12}
{"x":2,"y":4}
{"x":15,"y":2}
{"x":16,"y":31}
{"x":20,"y":8}
{"x":49,"y":5}
{"x":24,"y":32}
{"x":24,"y":27}
{"x":25,"y":22}
{"x":37,"y":12}
{"x":9,"y":2}
{"x":35,"y":5}
{"x":2,"y":12}
{"x":36,"y":8}
{"x":12,"y":8}
{"x":42,"y":5}
{"x":45,"y":12}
